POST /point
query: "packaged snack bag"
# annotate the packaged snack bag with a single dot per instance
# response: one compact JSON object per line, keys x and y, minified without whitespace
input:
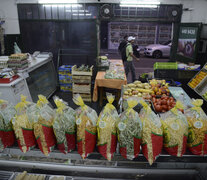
{"x":43,"y":122}
{"x":197,"y":137}
{"x":64,"y":126}
{"x":106,"y":127}
{"x":7,"y":113}
{"x":152,"y":135}
{"x":130,"y":131}
{"x":23,"y":128}
{"x":175,"y":131}
{"x":86,"y":120}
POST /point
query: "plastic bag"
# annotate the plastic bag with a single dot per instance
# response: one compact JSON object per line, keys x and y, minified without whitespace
{"x":130,"y":131}
{"x":197,"y":137}
{"x":23,"y":128}
{"x":86,"y":120}
{"x":106,"y":127}
{"x":7,"y":112}
{"x":64,"y":126}
{"x":43,"y":129}
{"x":175,"y":131}
{"x":152,"y":135}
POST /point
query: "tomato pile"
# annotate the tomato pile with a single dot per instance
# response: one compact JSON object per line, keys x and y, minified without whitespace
{"x":163,"y":103}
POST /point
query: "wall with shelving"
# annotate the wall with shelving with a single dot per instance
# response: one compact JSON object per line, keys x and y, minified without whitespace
{"x":145,"y":33}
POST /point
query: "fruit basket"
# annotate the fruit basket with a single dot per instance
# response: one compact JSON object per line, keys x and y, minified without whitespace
{"x":77,"y":71}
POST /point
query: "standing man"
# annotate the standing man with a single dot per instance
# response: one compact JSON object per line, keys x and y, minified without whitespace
{"x":128,"y":64}
{"x":123,"y":44}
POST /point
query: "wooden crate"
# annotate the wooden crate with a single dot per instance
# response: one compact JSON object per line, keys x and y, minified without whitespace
{"x":82,"y":73}
{"x":82,"y":88}
{"x":81,"y":79}
{"x":86,"y":97}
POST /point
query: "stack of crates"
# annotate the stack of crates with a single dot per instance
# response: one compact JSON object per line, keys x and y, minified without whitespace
{"x":166,"y":70}
{"x":65,"y":78}
{"x":82,"y":83}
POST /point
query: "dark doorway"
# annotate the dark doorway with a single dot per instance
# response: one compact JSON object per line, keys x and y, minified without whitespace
{"x":104,"y":34}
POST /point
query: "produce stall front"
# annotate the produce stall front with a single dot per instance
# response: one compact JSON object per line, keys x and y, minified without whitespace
{"x":113,"y":78}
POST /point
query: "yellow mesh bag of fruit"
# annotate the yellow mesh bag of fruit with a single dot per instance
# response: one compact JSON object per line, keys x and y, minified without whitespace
{"x":175,"y":130}
{"x":197,"y":137}
{"x":43,"y":126}
{"x":23,"y":127}
{"x":152,"y":134}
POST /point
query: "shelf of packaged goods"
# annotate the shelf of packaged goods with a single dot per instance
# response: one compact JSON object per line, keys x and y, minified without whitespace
{"x":200,"y":83}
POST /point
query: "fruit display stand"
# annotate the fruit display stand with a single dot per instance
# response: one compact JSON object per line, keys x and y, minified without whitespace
{"x":82,"y":83}
{"x":199,"y":83}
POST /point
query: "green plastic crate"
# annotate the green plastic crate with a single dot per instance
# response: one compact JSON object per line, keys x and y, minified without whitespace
{"x":165,"y":65}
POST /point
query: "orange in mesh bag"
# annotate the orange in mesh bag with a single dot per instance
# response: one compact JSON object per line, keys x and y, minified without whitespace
{"x":152,"y":135}
{"x":175,"y":130}
{"x":106,"y":127}
{"x":197,"y":137}
{"x":86,"y":120}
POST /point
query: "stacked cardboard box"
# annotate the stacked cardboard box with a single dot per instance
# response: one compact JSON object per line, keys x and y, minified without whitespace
{"x":65,"y":78}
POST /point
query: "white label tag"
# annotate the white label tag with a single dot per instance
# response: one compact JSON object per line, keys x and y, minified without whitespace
{"x":175,"y":126}
{"x":121,"y":126}
{"x":198,"y":124}
{"x":78,"y":121}
{"x":102,"y":124}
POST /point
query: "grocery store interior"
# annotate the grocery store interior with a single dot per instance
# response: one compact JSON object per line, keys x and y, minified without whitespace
{"x":103,"y":89}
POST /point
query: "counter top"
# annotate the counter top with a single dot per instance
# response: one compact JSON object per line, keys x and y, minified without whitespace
{"x":34,"y":64}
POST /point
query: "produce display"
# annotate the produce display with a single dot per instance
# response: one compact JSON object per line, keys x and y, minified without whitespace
{"x":82,"y":68}
{"x":130,"y":131}
{"x":113,"y":74}
{"x":23,"y":126}
{"x":138,"y":89}
{"x":152,"y":134}
{"x":163,"y":104}
{"x":64,"y":126}
{"x":197,"y":137}
{"x":25,"y":176}
{"x":160,"y":87}
{"x":116,"y":71}
{"x":7,"y":112}
{"x":106,"y":128}
{"x":18,"y":61}
{"x":205,"y":95}
{"x":43,"y":120}
{"x":197,"y":79}
{"x":86,"y":120}
{"x":161,"y":99}
{"x":175,"y":131}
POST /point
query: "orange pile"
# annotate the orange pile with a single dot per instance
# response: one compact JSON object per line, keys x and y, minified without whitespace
{"x":198,"y":78}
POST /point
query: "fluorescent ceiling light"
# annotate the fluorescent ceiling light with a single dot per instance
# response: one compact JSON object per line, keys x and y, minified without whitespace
{"x":139,"y":5}
{"x":62,"y":5}
{"x":81,"y":14}
{"x":150,"y":2}
{"x":57,"y":1}
{"x":75,"y":10}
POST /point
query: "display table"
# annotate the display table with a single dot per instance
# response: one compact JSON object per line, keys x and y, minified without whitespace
{"x":101,"y":82}
{"x":39,"y":78}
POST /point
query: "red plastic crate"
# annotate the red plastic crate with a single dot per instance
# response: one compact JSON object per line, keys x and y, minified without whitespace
{"x":8,"y":80}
